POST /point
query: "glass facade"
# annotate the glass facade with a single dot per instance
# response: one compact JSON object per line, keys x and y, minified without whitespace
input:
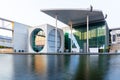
{"x":6,"y":27}
{"x":37,"y":39}
{"x":67,"y":42}
{"x":98,"y":35}
{"x":114,"y":38}
{"x":51,"y":40}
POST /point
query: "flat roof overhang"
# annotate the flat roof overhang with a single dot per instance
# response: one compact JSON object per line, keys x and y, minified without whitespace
{"x":77,"y":16}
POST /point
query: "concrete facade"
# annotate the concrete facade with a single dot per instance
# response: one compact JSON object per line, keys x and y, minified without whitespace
{"x":20,"y":36}
{"x":115,"y":40}
{"x":49,"y":45}
{"x":24,"y":38}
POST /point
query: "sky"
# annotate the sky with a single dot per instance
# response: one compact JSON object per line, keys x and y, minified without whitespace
{"x":28,"y":11}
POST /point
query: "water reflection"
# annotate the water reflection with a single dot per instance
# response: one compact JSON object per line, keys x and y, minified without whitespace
{"x":6,"y":67}
{"x":92,"y":67}
{"x":40,"y":64}
{"x":22,"y":67}
{"x":114,"y":68}
{"x":59,"y":67}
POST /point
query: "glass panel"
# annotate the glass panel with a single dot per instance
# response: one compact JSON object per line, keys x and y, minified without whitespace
{"x":114,"y":38}
{"x":51,"y":40}
{"x":96,"y":34}
{"x":37,"y":39}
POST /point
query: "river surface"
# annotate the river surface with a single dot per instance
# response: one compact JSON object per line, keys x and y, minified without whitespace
{"x":59,"y":67}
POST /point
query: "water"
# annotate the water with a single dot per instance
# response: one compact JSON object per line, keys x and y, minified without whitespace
{"x":59,"y":67}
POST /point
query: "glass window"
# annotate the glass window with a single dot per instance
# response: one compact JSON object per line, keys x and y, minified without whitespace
{"x":37,"y":39}
{"x":114,"y":38}
{"x":118,"y":35}
{"x":51,"y":40}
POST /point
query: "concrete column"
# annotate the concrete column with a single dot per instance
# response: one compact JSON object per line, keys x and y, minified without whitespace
{"x":71,"y":35}
{"x":87,"y":33}
{"x":56,"y":34}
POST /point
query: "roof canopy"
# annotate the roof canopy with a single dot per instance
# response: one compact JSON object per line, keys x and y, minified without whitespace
{"x":77,"y":16}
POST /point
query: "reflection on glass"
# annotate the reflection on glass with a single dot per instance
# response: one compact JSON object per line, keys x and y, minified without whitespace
{"x":51,"y":40}
{"x":37,"y":39}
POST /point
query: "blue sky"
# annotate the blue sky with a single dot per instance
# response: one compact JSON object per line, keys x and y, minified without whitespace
{"x":28,"y":11}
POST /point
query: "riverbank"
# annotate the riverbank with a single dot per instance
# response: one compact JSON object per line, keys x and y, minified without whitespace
{"x":25,"y":53}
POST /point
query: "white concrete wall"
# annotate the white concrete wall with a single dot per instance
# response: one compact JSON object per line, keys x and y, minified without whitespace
{"x":49,"y":28}
{"x":20,"y":37}
{"x":62,"y":40}
{"x":46,"y":28}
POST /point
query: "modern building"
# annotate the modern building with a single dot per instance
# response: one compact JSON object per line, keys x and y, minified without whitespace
{"x":18,"y":35}
{"x":43,"y":39}
{"x":24,"y":38}
{"x":87,"y":32}
{"x":38,"y":39}
{"x":115,"y":40}
{"x":88,"y":29}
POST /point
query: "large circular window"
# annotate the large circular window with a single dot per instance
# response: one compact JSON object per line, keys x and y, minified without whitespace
{"x":51,"y":40}
{"x":37,"y":39}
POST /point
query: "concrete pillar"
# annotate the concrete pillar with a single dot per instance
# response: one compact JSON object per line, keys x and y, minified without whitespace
{"x":71,"y":34}
{"x":56,"y":34}
{"x":87,"y":33}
